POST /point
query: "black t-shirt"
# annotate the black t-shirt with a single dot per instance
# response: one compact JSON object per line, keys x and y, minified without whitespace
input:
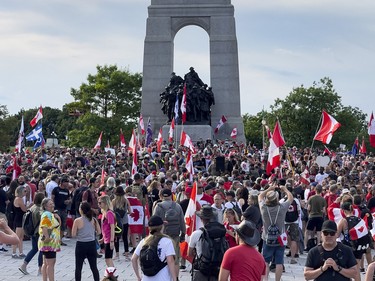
{"x":60,"y":196}
{"x":343,"y":256}
{"x":3,"y":199}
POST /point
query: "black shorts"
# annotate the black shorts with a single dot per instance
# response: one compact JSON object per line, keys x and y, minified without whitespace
{"x":315,"y":223}
{"x":49,"y":255}
{"x":108,"y":252}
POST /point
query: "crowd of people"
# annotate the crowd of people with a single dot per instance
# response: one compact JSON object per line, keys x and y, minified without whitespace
{"x":244,"y":216}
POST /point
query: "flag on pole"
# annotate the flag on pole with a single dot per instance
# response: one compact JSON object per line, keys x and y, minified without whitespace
{"x":122,"y":139}
{"x":273,"y":154}
{"x":363,"y":149}
{"x":176,"y":110}
{"x":141,"y":124}
{"x":21,"y":135}
{"x":186,"y":141}
{"x":371,"y":130}
{"x":159,"y":141}
{"x":277,"y":135}
{"x":35,"y":133}
{"x":190,"y":221}
{"x":326,"y":151}
{"x":135,"y":159}
{"x":223,"y":119}
{"x":38,"y":116}
{"x":305,"y":177}
{"x":171,"y":130}
{"x":189,"y":165}
{"x":99,"y":142}
{"x":40,"y":142}
{"x":355,"y":147}
{"x":132,"y":141}
{"x":148,"y":133}
{"x":327,"y":128}
{"x":233,"y":134}
{"x":183,"y":105}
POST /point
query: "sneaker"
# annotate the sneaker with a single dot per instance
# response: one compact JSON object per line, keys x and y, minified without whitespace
{"x":14,"y":256}
{"x":98,"y":255}
{"x":22,"y":255}
{"x":293,"y":261}
{"x":288,"y":254}
{"x":362,"y":270}
{"x":182,"y":267}
{"x":3,"y":250}
{"x":63,"y":244}
{"x":23,"y":270}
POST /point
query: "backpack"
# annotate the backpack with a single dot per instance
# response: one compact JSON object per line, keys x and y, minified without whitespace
{"x":292,"y":213}
{"x":357,"y":244}
{"x":273,"y":231}
{"x":172,"y":216}
{"x":339,"y":254}
{"x":237,"y":209}
{"x":149,"y":258}
{"x":214,"y":245}
{"x":28,"y":224}
{"x":118,"y":224}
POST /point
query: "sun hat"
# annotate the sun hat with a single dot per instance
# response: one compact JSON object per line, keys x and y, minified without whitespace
{"x":206,"y":212}
{"x":248,"y":232}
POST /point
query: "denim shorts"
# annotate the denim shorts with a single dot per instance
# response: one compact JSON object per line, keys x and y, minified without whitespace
{"x":273,"y":253}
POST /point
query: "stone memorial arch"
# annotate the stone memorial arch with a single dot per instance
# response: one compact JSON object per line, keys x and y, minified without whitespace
{"x":216,"y":17}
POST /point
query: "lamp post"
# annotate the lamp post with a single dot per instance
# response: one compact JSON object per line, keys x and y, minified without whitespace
{"x":53,"y":134}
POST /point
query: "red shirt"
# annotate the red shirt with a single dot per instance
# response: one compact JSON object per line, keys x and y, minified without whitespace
{"x":231,"y":240}
{"x":245,"y":263}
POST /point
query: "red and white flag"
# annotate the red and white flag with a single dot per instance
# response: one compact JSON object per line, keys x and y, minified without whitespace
{"x":273,"y":154}
{"x":135,"y":159}
{"x":277,"y":135}
{"x":372,"y":231}
{"x":135,"y":218}
{"x":183,"y":105}
{"x":171,"y":130}
{"x":222,"y":121}
{"x":186,"y":141}
{"x":371,"y":130}
{"x":38,"y":116}
{"x":283,"y":239}
{"x":132,"y":141}
{"x":99,"y":142}
{"x":21,"y":133}
{"x":102,"y":178}
{"x":142,"y":125}
{"x":327,"y":128}
{"x":189,"y":165}
{"x":122,"y":139}
{"x":233,"y":134}
{"x":305,"y":177}
{"x":362,"y":148}
{"x":358,"y":231}
{"x":159,"y":142}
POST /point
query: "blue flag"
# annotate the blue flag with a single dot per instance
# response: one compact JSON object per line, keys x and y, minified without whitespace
{"x":176,"y":108}
{"x":355,"y":147}
{"x":39,"y":142}
{"x":148,"y":133}
{"x":35,"y":134}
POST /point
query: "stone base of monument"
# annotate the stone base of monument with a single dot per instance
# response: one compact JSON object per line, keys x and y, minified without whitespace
{"x":195,"y":132}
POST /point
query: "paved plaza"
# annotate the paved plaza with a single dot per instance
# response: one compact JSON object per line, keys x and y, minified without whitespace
{"x":64,"y":269}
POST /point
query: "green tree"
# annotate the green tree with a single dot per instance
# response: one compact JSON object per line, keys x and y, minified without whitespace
{"x":5,"y":137}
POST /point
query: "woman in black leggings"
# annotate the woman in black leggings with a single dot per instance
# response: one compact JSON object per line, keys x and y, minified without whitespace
{"x":85,"y":228}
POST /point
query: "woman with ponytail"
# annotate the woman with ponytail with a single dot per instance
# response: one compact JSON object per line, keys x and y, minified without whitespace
{"x":164,"y":249}
{"x":85,"y":228}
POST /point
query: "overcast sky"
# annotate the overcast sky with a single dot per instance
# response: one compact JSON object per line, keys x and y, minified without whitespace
{"x":48,"y":47}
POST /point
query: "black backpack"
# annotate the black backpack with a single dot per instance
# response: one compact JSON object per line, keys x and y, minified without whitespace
{"x":118,"y":224}
{"x":273,"y":231}
{"x":357,"y":244}
{"x":292,"y":213}
{"x":214,"y":245}
{"x":28,"y":224}
{"x":149,"y":258}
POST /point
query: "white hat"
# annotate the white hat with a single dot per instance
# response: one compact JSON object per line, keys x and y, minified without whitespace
{"x":345,"y":190}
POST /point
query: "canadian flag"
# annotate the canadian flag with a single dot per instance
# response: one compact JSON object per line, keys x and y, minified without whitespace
{"x":283,"y":239}
{"x":183,"y":105}
{"x":135,"y":159}
{"x":99,"y":142}
{"x":372,"y":231}
{"x":135,"y":218}
{"x":122,"y":139}
{"x":186,"y":141}
{"x":233,"y":134}
{"x":189,"y":165}
{"x":371,"y":130}
{"x":363,"y":149}
{"x":190,"y":221}
{"x":327,"y":128}
{"x":141,"y":124}
{"x":38,"y":116}
{"x":223,"y":119}
{"x":277,"y":135}
{"x":358,"y":231}
{"x":159,"y":142}
{"x":305,"y":177}
{"x":273,"y":154}
{"x":132,"y":141}
{"x":171,"y":130}
{"x":21,"y":136}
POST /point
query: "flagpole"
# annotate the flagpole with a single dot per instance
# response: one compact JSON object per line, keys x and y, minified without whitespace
{"x":317,"y":128}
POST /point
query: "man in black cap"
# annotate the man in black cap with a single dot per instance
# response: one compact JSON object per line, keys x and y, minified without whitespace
{"x":243,"y":262}
{"x":331,"y":260}
{"x":172,"y":213}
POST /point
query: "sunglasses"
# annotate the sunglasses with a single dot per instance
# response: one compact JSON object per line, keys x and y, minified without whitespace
{"x":331,"y":233}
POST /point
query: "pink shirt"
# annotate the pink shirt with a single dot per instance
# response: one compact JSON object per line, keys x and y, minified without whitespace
{"x":106,"y":226}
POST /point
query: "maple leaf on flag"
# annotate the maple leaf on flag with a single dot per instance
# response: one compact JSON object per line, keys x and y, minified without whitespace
{"x":189,"y":224}
{"x":135,"y":215}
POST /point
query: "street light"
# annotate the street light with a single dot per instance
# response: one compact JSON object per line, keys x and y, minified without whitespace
{"x":53,"y":134}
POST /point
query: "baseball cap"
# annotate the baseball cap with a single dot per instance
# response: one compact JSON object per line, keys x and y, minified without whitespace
{"x":166,"y":192}
{"x":329,"y":225}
